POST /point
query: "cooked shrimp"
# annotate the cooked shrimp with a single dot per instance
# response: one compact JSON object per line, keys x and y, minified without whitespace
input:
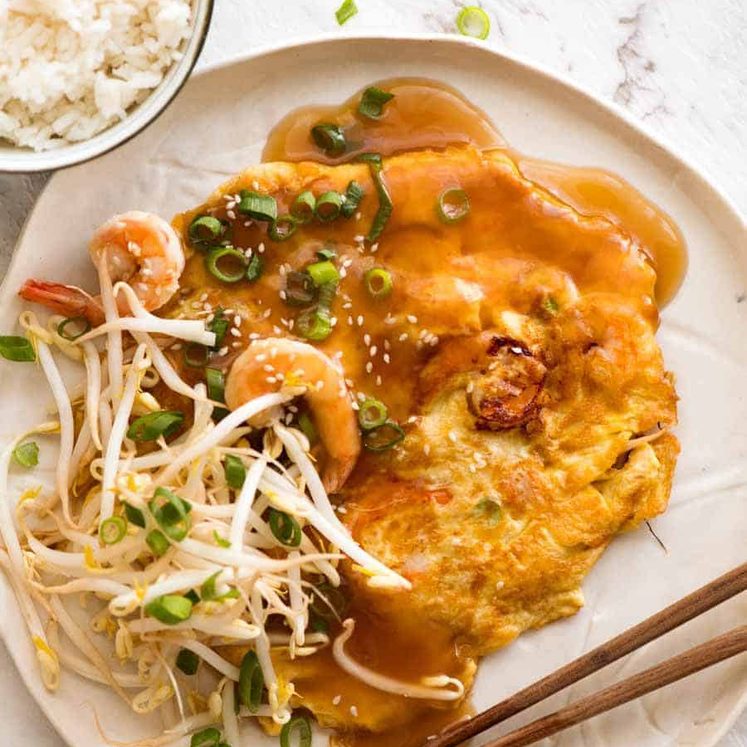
{"x":275,"y":363}
{"x":139,"y":248}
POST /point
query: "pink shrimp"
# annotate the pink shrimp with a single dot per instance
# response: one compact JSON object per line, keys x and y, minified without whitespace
{"x":138,"y":248}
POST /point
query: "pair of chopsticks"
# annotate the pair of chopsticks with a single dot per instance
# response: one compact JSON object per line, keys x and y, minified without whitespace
{"x":693,"y":660}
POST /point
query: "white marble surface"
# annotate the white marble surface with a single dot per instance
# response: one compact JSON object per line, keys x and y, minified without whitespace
{"x":678,"y":65}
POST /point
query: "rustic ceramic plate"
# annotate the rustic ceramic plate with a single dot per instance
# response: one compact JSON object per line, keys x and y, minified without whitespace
{"x":218,"y":126}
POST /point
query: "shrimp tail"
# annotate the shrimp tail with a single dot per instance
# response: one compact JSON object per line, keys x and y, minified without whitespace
{"x":63,"y":299}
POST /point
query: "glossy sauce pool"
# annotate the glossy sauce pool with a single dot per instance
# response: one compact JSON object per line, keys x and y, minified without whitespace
{"x":422,"y":115}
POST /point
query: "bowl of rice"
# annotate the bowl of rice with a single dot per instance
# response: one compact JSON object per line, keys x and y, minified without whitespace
{"x":80,"y":77}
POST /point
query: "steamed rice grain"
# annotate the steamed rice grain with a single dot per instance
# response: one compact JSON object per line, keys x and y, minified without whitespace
{"x":71,"y":68}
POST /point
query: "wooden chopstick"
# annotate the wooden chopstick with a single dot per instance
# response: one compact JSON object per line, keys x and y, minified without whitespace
{"x":693,"y":660}
{"x":705,"y":598}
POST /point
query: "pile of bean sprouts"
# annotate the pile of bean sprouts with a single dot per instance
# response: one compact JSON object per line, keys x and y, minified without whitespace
{"x":54,"y":550}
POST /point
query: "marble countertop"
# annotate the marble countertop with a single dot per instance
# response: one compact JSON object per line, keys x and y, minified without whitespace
{"x":679,"y":67}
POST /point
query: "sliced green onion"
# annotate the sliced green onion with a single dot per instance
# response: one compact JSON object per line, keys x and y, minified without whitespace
{"x":334,"y":607}
{"x":282,"y":228}
{"x":112,"y":530}
{"x":488,"y":509}
{"x":193,"y":597}
{"x":27,"y":454}
{"x":346,"y":11}
{"x":254,"y":268}
{"x":220,"y":541}
{"x":314,"y":324}
{"x":209,"y":737}
{"x":157,"y":542}
{"x":353,"y":196}
{"x":551,"y":306}
{"x":453,"y":205}
{"x":80,"y":326}
{"x":378,"y":282}
{"x":372,"y":413}
{"x":208,"y":588}
{"x":187,"y":661}
{"x":299,"y":727}
{"x":473,"y":21}
{"x":327,"y":292}
{"x":326,"y":252}
{"x":149,"y":427}
{"x":383,"y":437}
{"x":219,"y":325}
{"x":171,"y":513}
{"x":18,"y":349}
{"x":307,"y":427}
{"x":257,"y":206}
{"x":285,"y":528}
{"x":205,"y":229}
{"x":235,"y":471}
{"x":329,"y":138}
{"x":328,"y":206}
{"x":196,"y":355}
{"x":226,"y":263}
{"x":323,"y":272}
{"x":373,"y":101}
{"x":386,"y":206}
{"x":299,"y":289}
{"x":251,"y":681}
{"x":303,"y":207}
{"x":216,"y":384}
{"x":134,"y":515}
{"x":170,"y":609}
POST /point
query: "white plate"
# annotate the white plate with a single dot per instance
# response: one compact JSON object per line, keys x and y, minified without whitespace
{"x":218,"y":125}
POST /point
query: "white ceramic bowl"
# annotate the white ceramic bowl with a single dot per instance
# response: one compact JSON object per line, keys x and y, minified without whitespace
{"x":16,"y":159}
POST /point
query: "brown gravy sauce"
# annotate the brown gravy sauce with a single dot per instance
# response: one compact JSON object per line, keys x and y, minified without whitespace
{"x":428,"y":114}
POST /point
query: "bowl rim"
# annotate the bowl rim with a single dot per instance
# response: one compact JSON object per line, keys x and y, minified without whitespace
{"x":17,"y":160}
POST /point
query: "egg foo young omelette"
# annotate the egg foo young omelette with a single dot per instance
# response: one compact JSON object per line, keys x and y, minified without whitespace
{"x":367,"y":414}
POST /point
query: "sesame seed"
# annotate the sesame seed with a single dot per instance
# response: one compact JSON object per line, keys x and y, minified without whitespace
{"x":235,"y":332}
{"x":373,"y":350}
{"x":277,"y":330}
{"x":261,"y":248}
{"x":271,"y":380}
{"x":236,"y":344}
{"x":347,"y":262}
{"x":369,"y":367}
{"x":247,"y":223}
{"x":347,"y":305}
{"x":412,"y":419}
{"x":359,"y":239}
{"x":387,"y":359}
{"x":255,"y":336}
{"x":389,"y":319}
{"x":374,"y":248}
{"x":358,"y":215}
{"x":267,"y":314}
{"x":470,"y":387}
{"x":283,"y":295}
{"x":353,"y":711}
{"x":177,"y":346}
{"x":350,"y":321}
{"x":361,"y":396}
{"x":248,"y":252}
{"x":360,"y":320}
{"x":223,"y":351}
{"x":387,"y":346}
{"x":427,"y":449}
{"x":378,"y":380}
{"x":355,"y":405}
{"x":366,"y":339}
{"x":412,"y":319}
{"x":333,"y":321}
{"x":343,"y":272}
{"x":452,"y":437}
{"x":336,"y":700}
{"x":255,"y":185}
{"x":237,"y":321}
{"x":203,"y":297}
{"x":403,"y":337}
{"x":342,"y":510}
{"x":231,"y":214}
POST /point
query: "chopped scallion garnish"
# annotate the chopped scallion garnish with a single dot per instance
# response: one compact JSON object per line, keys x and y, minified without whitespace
{"x":373,"y":101}
{"x":323,"y":272}
{"x":329,"y":138}
{"x":226,"y":263}
{"x":307,"y":427}
{"x":251,"y":681}
{"x":216,"y":384}
{"x":112,"y":530}
{"x":17,"y":349}
{"x":170,"y":609}
{"x":282,"y":228}
{"x":149,"y":427}
{"x":326,"y":252}
{"x":353,"y":196}
{"x":383,"y":437}
{"x":303,"y":207}
{"x":489,"y":510}
{"x":157,"y":542}
{"x":453,"y":205}
{"x":254,"y":268}
{"x":285,"y":528}
{"x":258,"y":206}
{"x":196,"y":355}
{"x":134,"y":515}
{"x":205,"y":229}
{"x":473,"y":21}
{"x":26,"y":454}
{"x":298,"y":727}
{"x":187,"y":661}
{"x":73,"y":327}
{"x":235,"y":471}
{"x":209,"y":737}
{"x":386,"y":206}
{"x":314,"y":324}
{"x":299,"y":289}
{"x":372,"y":413}
{"x":378,"y":282}
{"x":346,"y":11}
{"x":218,"y":325}
{"x":328,"y":206}
{"x":171,"y":513}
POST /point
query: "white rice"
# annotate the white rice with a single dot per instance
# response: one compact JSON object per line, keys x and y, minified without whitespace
{"x":71,"y":68}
